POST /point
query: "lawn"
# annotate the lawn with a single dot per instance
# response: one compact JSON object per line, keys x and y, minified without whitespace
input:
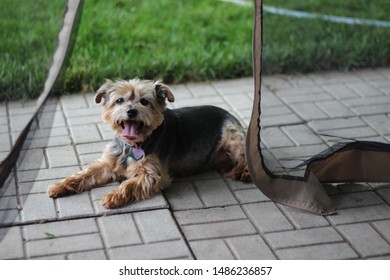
{"x":182,"y":40}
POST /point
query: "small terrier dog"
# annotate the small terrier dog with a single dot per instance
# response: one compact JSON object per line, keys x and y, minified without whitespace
{"x":153,"y":144}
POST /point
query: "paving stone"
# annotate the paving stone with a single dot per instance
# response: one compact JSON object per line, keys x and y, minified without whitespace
{"x":234,"y":87}
{"x":339,"y":123}
{"x":5,"y":142}
{"x":308,"y":111}
{"x":77,"y":205}
{"x":18,"y":122}
{"x":215,"y":249}
{"x":302,"y":219}
{"x":361,"y":214}
{"x":61,"y":156}
{"x":36,"y":207}
{"x":218,"y":230}
{"x":275,"y":120}
{"x":9,"y":217}
{"x":250,"y":196}
{"x":341,"y":91}
{"x":215,"y":100}
{"x":365,"y":239}
{"x":85,"y":133}
{"x":8,"y":202}
{"x":334,"y":77}
{"x":335,"y":109}
{"x":49,"y":132}
{"x":239,"y":185}
{"x":301,"y":91}
{"x":336,"y":251}
{"x":62,"y":245}
{"x":366,"y":101}
{"x":119,"y":230}
{"x":209,"y":215}
{"x":11,"y":243}
{"x":381,"y":123}
{"x":356,"y":200}
{"x":60,"y":229}
{"x":35,"y":186}
{"x":322,"y":96}
{"x":105,"y":131}
{"x":278,"y":82}
{"x":214,"y":193}
{"x":181,"y":91}
{"x":384,"y":194}
{"x":239,"y":103}
{"x":48,"y":142}
{"x":182,"y":195}
{"x":47,"y":174}
{"x":275,"y":110}
{"x":31,"y":159}
{"x":80,"y":113}
{"x":301,"y":135}
{"x":354,"y":133}
{"x":250,"y":248}
{"x":87,"y":159}
{"x":298,"y":152}
{"x":373,"y":109}
{"x":91,"y":148}
{"x":88,"y":255}
{"x":267,"y":217}
{"x":269,"y":99}
{"x":9,"y":186}
{"x":383,"y":227}
{"x":74,"y":101}
{"x":274,"y":137}
{"x":303,"y":237}
{"x":51,"y":119}
{"x":156,"y":226}
{"x":164,"y":250}
{"x":201,"y":89}
{"x":354,"y":187}
{"x":364,"y":89}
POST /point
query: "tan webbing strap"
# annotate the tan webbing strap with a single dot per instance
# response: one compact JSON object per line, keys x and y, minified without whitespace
{"x":356,"y":161}
{"x":295,"y":193}
{"x":66,"y":38}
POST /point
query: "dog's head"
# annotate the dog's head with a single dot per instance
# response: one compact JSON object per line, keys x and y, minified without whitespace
{"x":133,"y":108}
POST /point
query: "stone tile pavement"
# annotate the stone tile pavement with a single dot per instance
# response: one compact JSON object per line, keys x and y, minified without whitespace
{"x":205,"y":216}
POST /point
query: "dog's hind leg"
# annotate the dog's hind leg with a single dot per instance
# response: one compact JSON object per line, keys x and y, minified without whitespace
{"x":231,"y":153}
{"x":97,"y":174}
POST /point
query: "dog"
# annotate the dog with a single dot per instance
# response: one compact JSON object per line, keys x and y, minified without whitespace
{"x":154,"y":144}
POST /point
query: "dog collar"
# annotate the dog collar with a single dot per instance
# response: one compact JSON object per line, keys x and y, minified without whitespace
{"x":136,"y":153}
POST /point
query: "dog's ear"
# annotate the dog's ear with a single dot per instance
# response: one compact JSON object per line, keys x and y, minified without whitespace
{"x":163,"y":91}
{"x":102,"y":91}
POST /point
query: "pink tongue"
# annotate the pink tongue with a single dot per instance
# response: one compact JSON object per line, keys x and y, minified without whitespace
{"x":130,"y":130}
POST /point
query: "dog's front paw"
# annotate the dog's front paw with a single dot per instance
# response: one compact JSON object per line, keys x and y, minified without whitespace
{"x":114,"y":199}
{"x":58,"y":189}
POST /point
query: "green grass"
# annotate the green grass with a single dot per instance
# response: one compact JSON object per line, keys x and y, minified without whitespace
{"x":28,"y":36}
{"x":175,"y":41}
{"x":183,"y":40}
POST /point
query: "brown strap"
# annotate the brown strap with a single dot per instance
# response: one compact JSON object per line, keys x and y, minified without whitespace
{"x":66,"y":39}
{"x":358,"y":161}
{"x":308,"y":195}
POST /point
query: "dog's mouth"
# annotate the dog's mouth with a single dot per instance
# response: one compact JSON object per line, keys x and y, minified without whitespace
{"x":131,"y":129}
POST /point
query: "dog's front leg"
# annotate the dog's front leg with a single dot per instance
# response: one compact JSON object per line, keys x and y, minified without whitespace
{"x":97,"y":174}
{"x":145,"y":178}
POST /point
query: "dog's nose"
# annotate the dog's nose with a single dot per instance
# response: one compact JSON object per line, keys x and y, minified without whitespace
{"x":132,"y":113}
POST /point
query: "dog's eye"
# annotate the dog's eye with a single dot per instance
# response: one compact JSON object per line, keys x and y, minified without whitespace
{"x":144,"y":102}
{"x":119,"y":101}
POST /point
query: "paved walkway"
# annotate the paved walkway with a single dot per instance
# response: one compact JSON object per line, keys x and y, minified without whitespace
{"x":205,"y":216}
